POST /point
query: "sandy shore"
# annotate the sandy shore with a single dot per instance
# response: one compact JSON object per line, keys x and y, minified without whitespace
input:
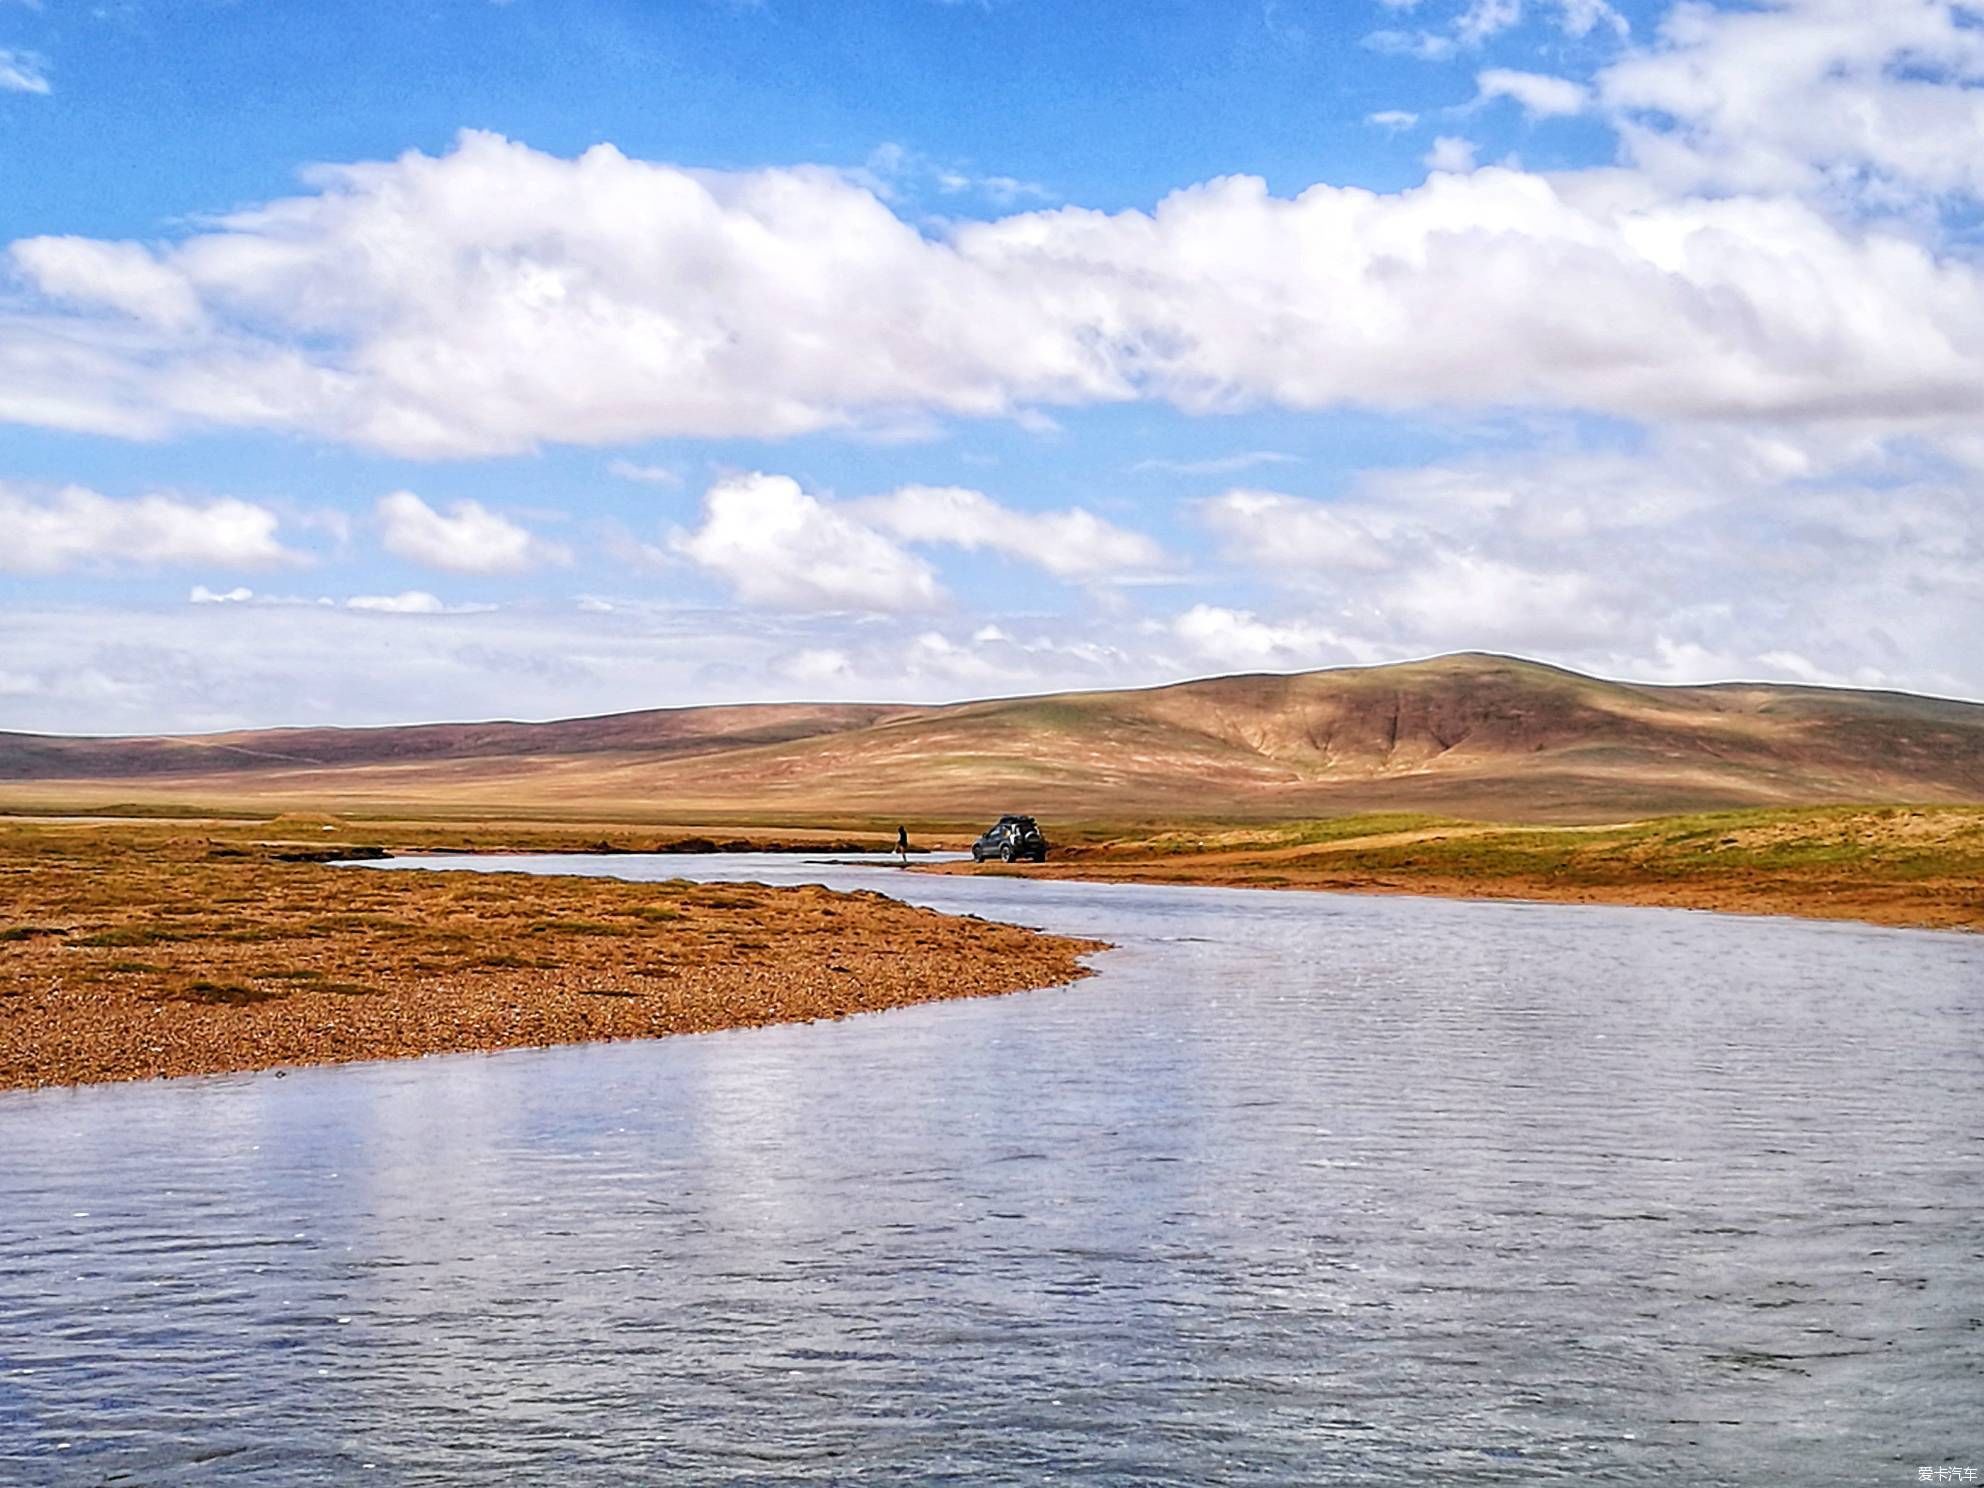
{"x":129,"y":953}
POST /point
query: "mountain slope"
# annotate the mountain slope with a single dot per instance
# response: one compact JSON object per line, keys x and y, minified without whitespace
{"x":1473,"y":735}
{"x":659,"y":732}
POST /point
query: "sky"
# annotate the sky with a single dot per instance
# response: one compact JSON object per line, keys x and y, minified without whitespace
{"x":365,"y":364}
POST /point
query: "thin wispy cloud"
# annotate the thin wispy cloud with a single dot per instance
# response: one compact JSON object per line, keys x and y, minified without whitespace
{"x":1218,"y":464}
{"x":23,"y":72}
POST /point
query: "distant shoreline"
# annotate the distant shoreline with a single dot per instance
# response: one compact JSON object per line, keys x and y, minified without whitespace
{"x":1903,"y":867}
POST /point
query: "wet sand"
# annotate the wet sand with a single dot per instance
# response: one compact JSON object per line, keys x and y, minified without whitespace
{"x":132,"y":953}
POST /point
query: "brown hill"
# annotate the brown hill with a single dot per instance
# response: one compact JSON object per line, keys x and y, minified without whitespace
{"x":657,"y":732}
{"x":1473,"y":735}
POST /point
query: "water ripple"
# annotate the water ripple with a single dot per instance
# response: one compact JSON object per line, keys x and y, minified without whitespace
{"x":1299,"y":1189}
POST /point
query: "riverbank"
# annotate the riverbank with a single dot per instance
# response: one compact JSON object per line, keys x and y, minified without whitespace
{"x":134,"y":951}
{"x":1912,"y":867}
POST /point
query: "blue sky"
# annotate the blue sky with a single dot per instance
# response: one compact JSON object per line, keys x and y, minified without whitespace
{"x":361,"y":364}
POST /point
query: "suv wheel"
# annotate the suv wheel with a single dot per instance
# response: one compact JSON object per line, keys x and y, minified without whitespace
{"x":1006,"y":853}
{"x":977,"y":853}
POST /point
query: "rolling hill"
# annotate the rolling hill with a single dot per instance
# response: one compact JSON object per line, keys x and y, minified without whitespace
{"x":1473,"y":735}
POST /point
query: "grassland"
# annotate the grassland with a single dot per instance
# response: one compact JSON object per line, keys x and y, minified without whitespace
{"x":1894,"y":865}
{"x":131,"y":950}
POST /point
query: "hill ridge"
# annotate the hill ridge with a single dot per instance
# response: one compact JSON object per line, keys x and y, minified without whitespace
{"x":1475,"y":733}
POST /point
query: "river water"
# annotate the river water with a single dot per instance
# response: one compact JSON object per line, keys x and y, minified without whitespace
{"x":1299,"y":1189}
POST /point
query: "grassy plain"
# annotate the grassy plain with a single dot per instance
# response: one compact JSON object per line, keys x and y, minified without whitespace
{"x":1920,"y":866}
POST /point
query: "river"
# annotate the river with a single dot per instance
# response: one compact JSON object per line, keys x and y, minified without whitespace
{"x":1299,"y":1188}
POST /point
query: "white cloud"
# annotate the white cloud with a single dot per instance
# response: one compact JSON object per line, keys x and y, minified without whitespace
{"x":1809,"y":96}
{"x":1275,"y":531}
{"x":469,"y":539}
{"x":1451,"y":153}
{"x":1219,"y":464}
{"x":201,"y":594}
{"x":1426,"y":46}
{"x":1485,"y":18}
{"x":22,"y":72}
{"x":781,"y":546}
{"x":412,"y":602}
{"x":651,"y":475}
{"x":1582,"y":17}
{"x":1541,"y":96}
{"x":1481,"y":21}
{"x":1238,"y":640}
{"x":1694,"y":557}
{"x":777,"y":545}
{"x":893,"y":173}
{"x":124,"y":277}
{"x":815,"y":665}
{"x":495,"y":298}
{"x":1071,"y":544}
{"x":75,"y":527}
{"x":1393,"y":119}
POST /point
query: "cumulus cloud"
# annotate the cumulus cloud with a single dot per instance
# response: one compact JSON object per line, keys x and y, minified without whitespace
{"x":1239,"y":640}
{"x":75,"y":527}
{"x":782,"y":546}
{"x":779,"y":546}
{"x":495,"y":298}
{"x":815,"y":665}
{"x":469,"y":538}
{"x":1879,"y":101}
{"x":410,"y":602}
{"x":1693,"y":557}
{"x":1071,"y":544}
{"x":1540,"y":95}
{"x":1451,"y":153}
{"x":123,"y":277}
{"x":1276,"y":531}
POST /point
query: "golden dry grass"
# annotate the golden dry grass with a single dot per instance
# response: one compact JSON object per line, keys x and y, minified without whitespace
{"x":139,"y":950}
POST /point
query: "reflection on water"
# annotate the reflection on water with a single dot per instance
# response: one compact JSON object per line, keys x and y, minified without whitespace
{"x":1299,"y":1189}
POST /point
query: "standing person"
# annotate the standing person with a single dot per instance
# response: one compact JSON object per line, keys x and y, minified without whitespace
{"x":902,"y":847}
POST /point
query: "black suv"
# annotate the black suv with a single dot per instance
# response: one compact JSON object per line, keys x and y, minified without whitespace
{"x":1013,"y":838}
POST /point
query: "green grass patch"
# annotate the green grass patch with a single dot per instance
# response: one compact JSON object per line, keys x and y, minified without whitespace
{"x":580,"y":927}
{"x":132,"y":935}
{"x":225,"y":994}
